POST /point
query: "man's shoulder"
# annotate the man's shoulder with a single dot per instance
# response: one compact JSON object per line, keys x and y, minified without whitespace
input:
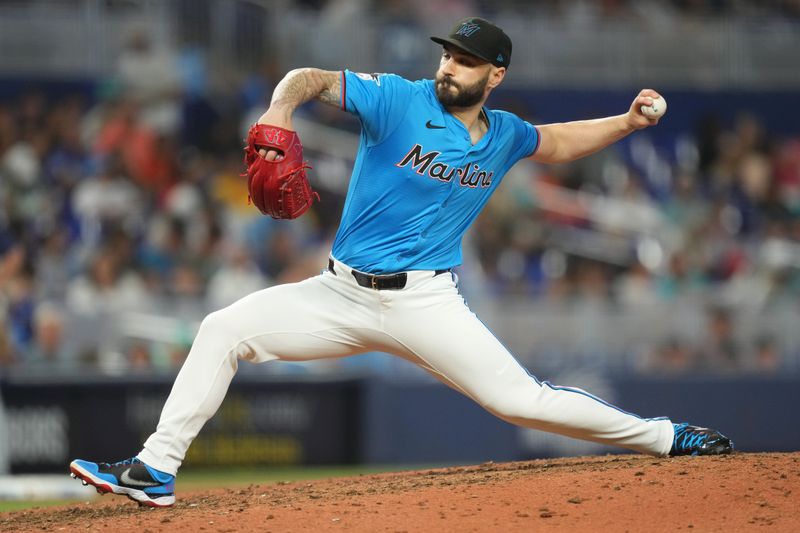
{"x":505,"y":120}
{"x":501,"y":115}
{"x":392,"y":80}
{"x":380,"y":78}
{"x":419,"y":86}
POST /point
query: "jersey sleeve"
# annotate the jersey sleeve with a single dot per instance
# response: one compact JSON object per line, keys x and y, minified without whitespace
{"x":526,"y":138}
{"x":380,"y":101}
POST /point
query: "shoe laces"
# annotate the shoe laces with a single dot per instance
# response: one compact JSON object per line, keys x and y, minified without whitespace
{"x":130,"y":461}
{"x":687,"y":437}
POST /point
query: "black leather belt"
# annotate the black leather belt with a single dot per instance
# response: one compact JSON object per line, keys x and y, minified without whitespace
{"x":381,"y":282}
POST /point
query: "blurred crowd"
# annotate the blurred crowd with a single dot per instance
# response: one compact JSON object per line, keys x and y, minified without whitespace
{"x":129,"y":204}
{"x":133,"y":203}
{"x":405,"y":24}
{"x":575,"y":9}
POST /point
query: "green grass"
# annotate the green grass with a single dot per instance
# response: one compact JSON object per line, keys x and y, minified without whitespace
{"x":14,"y":505}
{"x":208,"y":478}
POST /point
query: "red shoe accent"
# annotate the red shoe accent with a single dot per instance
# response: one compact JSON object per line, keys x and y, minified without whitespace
{"x":100,"y":486}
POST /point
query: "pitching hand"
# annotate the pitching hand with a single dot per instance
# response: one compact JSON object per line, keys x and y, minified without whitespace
{"x":636,"y":119}
{"x":270,"y":155}
{"x":274,"y":118}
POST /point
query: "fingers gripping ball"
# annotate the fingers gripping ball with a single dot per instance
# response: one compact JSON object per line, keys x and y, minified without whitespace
{"x":656,"y":110}
{"x":277,"y":188}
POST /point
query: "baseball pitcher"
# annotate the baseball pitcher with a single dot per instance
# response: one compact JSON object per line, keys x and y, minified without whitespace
{"x":431,"y":154}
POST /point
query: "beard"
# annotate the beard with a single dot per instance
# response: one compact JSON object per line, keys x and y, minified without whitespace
{"x":463,"y":96}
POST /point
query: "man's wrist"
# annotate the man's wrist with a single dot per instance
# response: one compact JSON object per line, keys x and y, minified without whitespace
{"x":278,"y":115}
{"x":628,"y":123}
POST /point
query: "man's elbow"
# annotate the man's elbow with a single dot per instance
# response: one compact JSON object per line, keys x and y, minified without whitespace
{"x":553,"y":156}
{"x":553,"y":147}
{"x":300,"y":72}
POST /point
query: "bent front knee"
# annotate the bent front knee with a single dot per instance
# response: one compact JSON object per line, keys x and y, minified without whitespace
{"x":220,"y":329}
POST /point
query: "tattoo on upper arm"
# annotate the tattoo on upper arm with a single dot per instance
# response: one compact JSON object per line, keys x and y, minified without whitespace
{"x":332,"y":93}
{"x":301,"y":85}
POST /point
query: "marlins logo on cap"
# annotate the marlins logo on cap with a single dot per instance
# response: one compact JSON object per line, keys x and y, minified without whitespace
{"x":467,"y":29}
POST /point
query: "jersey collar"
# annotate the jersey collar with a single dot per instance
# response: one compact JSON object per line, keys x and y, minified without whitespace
{"x":453,"y":122}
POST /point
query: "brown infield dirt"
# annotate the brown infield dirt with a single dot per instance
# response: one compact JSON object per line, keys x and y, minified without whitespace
{"x":739,"y":492}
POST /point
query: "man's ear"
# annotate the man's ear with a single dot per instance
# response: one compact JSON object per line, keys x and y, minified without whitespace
{"x":496,"y":76}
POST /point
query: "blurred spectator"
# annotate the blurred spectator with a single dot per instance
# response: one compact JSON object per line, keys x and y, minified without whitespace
{"x":21,"y":305}
{"x":138,"y":357}
{"x":186,"y":287}
{"x":636,"y":288}
{"x":5,"y":462}
{"x":56,"y":264}
{"x":591,"y":282}
{"x":162,"y":249}
{"x":148,"y":155}
{"x":674,"y":356}
{"x":21,"y":167}
{"x":187,"y":199}
{"x":150,"y":77}
{"x":68,"y":161}
{"x":7,"y":358}
{"x":49,"y":353}
{"x":685,"y":208}
{"x":228,"y":192}
{"x":236,"y":277}
{"x":682,"y":276}
{"x":787,"y":175}
{"x":720,"y":350}
{"x":107,"y":287}
{"x":767,"y":357}
{"x":403,"y":47}
{"x":333,"y":20}
{"x":256,"y":91}
{"x":107,"y":199}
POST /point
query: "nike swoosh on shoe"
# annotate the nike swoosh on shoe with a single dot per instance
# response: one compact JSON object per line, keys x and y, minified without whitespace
{"x":128,"y":480}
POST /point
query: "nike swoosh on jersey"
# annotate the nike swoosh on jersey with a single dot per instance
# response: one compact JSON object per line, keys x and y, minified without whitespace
{"x":128,"y":480}
{"x":433,"y":126}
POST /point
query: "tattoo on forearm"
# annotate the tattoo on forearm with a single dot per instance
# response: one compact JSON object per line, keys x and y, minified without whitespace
{"x":301,"y":85}
{"x":291,"y":91}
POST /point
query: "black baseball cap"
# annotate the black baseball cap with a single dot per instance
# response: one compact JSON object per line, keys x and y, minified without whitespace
{"x":480,"y":38}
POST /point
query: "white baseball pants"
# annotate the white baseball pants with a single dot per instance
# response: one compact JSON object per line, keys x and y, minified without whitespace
{"x":427,"y":322}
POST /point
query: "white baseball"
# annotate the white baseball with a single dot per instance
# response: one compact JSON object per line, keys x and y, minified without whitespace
{"x":656,"y":110}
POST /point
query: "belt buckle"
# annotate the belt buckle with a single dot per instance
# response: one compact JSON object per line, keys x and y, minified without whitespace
{"x":374,"y":282}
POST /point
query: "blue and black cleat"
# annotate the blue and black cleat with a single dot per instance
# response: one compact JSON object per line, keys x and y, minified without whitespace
{"x":694,"y":440}
{"x":130,"y":477}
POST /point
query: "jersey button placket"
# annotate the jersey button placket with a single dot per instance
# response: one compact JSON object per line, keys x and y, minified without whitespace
{"x":443,"y":205}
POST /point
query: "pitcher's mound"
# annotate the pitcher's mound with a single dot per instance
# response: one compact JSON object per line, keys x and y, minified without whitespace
{"x":740,"y":492}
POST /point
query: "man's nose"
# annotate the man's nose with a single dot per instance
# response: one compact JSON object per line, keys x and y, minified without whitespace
{"x":448,"y":67}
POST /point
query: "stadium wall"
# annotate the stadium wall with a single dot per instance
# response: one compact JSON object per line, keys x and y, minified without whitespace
{"x":363,"y":421}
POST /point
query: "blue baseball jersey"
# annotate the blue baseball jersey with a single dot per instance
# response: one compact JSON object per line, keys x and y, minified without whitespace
{"x":418,"y":182}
